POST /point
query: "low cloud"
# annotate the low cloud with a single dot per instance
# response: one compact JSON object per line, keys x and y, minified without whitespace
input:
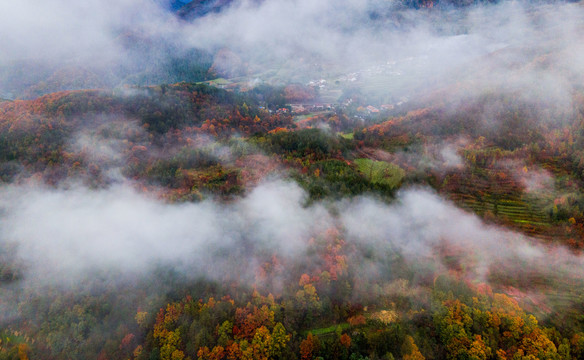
{"x":64,"y":233}
{"x":427,"y":230}
{"x":68,"y":233}
{"x":512,"y":46}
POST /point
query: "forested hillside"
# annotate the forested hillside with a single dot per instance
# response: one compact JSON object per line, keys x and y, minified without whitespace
{"x":340,"y":287}
{"x":291,"y":180}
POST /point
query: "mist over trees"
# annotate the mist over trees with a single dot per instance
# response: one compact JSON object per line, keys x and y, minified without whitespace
{"x":291,"y":180}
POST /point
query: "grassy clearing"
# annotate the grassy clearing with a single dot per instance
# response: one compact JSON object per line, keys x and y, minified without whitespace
{"x":330,"y":329}
{"x":348,"y":136}
{"x":381,"y":172}
{"x":299,"y":118}
{"x":220,"y":81}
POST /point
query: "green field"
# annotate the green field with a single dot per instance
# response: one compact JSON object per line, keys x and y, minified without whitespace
{"x":381,"y":172}
{"x":348,"y":136}
{"x":330,"y":329}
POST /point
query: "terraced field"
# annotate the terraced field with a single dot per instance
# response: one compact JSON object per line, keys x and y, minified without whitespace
{"x":502,"y":201}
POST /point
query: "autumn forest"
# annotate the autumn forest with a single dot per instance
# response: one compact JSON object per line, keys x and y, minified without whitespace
{"x":167,"y":192}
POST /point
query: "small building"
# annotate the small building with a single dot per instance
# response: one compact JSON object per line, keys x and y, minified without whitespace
{"x":297,"y":107}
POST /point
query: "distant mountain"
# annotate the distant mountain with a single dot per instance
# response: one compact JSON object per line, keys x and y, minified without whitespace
{"x":177,"y":4}
{"x":193,"y":9}
{"x":199,"y":8}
